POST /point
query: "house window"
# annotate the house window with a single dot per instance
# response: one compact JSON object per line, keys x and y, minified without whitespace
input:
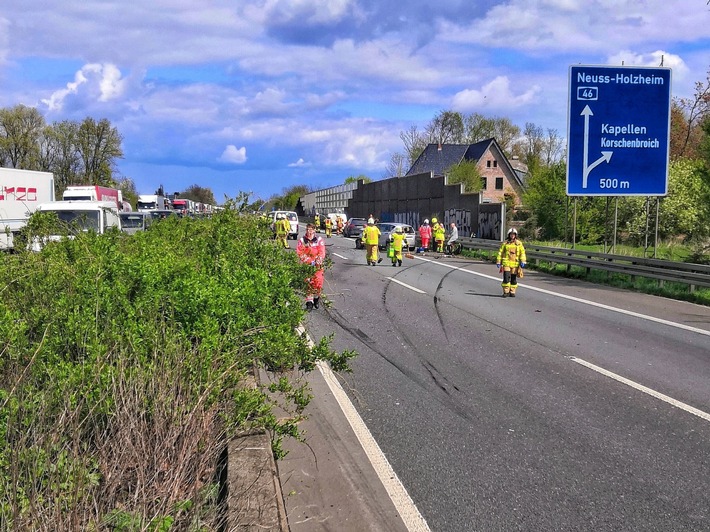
{"x":495,"y":164}
{"x":488,"y":164}
{"x":499,"y":183}
{"x":485,"y":183}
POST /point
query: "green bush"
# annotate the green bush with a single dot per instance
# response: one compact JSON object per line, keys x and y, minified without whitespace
{"x":125,"y":369}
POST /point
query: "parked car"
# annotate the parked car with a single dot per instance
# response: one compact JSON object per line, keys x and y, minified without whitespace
{"x":353,"y":228}
{"x":387,"y":228}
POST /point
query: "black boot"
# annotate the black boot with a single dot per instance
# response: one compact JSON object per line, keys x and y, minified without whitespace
{"x":309,"y":306}
{"x":316,"y":302}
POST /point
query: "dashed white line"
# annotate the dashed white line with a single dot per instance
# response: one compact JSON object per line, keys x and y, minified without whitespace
{"x":406,"y":285}
{"x":644,"y":389}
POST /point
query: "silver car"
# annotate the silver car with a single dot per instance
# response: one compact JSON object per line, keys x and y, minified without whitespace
{"x":387,"y":228}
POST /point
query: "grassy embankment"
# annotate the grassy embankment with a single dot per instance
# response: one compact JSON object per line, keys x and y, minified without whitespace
{"x":124,"y":368}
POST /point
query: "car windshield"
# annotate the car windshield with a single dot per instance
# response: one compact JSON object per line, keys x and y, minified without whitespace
{"x":386,"y":228}
{"x":84,"y":220}
{"x":132,"y":220}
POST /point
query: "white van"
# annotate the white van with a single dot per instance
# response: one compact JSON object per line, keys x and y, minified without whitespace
{"x":96,"y":216}
{"x":293,"y":220}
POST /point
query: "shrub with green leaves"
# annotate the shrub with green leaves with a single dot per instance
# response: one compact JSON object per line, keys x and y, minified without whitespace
{"x":125,"y":363}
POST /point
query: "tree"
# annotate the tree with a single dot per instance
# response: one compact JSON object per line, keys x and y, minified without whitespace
{"x":545,"y":196}
{"x":414,"y":143}
{"x":465,"y":172}
{"x":446,"y":128}
{"x":479,"y":128}
{"x":59,"y":155}
{"x":199,"y":194}
{"x":355,"y":179}
{"x":693,"y":111}
{"x":288,"y":200}
{"x":397,"y":166}
{"x":98,"y":145}
{"x":128,"y":187}
{"x":20,"y":130}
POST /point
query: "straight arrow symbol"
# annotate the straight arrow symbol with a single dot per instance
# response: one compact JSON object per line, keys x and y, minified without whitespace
{"x":606,"y":155}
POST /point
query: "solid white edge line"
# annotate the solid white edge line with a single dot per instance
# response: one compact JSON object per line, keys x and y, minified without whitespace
{"x":583,"y":301}
{"x":406,"y":508}
{"x":340,"y":256}
{"x":644,"y":389}
{"x":408,"y":511}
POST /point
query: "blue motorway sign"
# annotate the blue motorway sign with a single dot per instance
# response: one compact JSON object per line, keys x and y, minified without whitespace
{"x":618,"y":129}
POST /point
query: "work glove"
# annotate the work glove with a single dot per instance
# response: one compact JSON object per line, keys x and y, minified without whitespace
{"x":522,"y":265}
{"x":498,"y":265}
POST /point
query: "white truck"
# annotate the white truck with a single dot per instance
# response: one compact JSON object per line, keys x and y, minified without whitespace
{"x":21,"y":191}
{"x":97,"y":216}
{"x":94,"y":193}
{"x":151,"y":202}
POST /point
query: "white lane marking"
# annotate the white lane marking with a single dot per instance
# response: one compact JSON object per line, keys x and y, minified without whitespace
{"x":340,"y":256}
{"x":408,"y":511}
{"x":644,"y":389}
{"x":406,"y":285}
{"x":583,"y":301}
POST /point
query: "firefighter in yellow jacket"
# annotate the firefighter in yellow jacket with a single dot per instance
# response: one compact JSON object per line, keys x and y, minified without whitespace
{"x":371,"y":238}
{"x":439,"y":232}
{"x":511,"y":256}
{"x":397,"y":241}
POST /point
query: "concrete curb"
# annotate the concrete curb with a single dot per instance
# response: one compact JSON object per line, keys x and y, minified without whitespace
{"x":255,"y":499}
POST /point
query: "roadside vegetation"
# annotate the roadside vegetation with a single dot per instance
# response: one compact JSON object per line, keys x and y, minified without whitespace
{"x":126,"y":368}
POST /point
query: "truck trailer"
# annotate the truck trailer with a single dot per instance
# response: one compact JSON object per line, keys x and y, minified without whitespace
{"x":21,"y":191}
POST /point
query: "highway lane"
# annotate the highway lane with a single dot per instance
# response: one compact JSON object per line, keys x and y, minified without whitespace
{"x":512,"y":414}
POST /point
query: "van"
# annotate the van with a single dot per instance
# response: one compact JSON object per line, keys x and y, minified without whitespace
{"x":292,"y":217}
{"x":96,"y":216}
{"x":132,"y":222}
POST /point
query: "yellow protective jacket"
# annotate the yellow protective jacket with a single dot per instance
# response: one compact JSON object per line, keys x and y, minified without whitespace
{"x":511,"y":254}
{"x":397,"y":240}
{"x":371,"y":235}
{"x":282,"y":226}
{"x":439,"y":231}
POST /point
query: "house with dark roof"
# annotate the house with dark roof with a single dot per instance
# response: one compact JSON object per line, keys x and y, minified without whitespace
{"x":499,"y":176}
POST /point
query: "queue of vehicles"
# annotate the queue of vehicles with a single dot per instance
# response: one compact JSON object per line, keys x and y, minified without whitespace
{"x":85,"y":207}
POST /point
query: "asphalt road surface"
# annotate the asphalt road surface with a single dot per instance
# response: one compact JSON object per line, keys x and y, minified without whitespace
{"x":571,"y":407}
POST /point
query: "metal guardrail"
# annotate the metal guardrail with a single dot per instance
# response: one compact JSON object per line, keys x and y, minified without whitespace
{"x":693,"y":275}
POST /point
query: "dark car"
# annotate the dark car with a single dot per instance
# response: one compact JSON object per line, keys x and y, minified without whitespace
{"x":354,"y":226}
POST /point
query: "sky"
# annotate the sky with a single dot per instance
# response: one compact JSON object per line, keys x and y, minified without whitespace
{"x":262,"y":95}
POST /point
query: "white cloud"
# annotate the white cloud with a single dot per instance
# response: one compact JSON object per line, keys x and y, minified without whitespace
{"x":299,"y":164}
{"x":494,"y":95}
{"x":653,"y":59}
{"x":232,"y":154}
{"x":95,"y":81}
